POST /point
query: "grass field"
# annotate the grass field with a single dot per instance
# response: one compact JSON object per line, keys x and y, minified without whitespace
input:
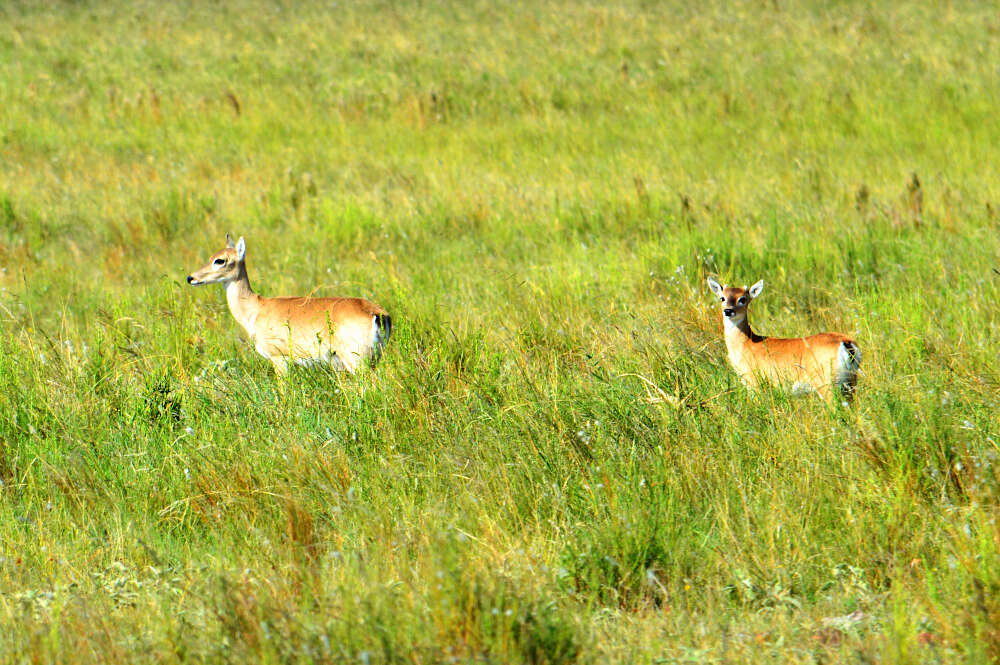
{"x":554,"y":462}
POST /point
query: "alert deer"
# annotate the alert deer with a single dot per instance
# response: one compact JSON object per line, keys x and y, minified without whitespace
{"x":340,"y":332}
{"x":816,"y":363}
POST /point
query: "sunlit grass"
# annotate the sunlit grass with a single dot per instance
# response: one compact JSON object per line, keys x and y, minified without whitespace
{"x":553,"y":463}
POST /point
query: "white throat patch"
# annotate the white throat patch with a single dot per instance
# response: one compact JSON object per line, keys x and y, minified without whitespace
{"x":733,"y":322}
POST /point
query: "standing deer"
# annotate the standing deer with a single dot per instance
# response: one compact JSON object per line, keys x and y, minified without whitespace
{"x":815,"y":363}
{"x":340,"y":332}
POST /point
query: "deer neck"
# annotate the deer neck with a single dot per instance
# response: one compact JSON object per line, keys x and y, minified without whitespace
{"x":739,"y":335}
{"x":243,"y":302}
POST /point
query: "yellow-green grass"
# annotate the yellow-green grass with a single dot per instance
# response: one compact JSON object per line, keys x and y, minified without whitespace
{"x":553,"y":463}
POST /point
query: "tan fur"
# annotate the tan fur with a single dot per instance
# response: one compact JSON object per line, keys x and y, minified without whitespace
{"x":341,"y":332}
{"x":815,"y":363}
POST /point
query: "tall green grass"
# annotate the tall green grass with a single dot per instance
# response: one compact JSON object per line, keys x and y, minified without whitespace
{"x":553,"y":463}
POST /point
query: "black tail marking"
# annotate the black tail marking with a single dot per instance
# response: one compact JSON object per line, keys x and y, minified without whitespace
{"x":384,"y":322}
{"x":853,"y":352}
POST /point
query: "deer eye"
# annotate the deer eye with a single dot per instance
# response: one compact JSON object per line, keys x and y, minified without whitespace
{"x":742,"y":301}
{"x":722,"y":299}
{"x":219,"y":262}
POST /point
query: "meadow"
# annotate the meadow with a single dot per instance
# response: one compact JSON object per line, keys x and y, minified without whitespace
{"x":554,"y":462}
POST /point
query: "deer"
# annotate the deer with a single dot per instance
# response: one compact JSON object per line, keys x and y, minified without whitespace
{"x":818,"y":363}
{"x":342,"y":333}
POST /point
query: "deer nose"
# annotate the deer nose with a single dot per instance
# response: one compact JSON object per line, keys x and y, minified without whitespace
{"x":726,"y":312}
{"x":190,"y":279}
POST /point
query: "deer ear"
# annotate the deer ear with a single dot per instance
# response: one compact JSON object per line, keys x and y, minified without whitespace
{"x":229,"y":242}
{"x":714,"y":285}
{"x":241,"y":249}
{"x":756,"y":289}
